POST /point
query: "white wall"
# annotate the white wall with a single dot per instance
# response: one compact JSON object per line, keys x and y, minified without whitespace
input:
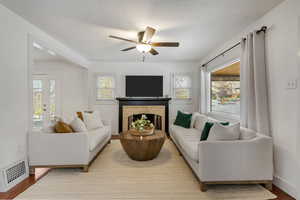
{"x":72,"y":83}
{"x":298,"y":190}
{"x":281,"y":48}
{"x":109,"y":110}
{"x":14,"y":34}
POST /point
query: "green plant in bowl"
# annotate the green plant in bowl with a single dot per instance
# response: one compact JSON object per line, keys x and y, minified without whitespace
{"x":142,"y":124}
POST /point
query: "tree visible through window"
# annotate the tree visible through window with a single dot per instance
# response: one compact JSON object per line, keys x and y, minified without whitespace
{"x":225,"y":90}
{"x":182,"y":86}
{"x":105,"y":87}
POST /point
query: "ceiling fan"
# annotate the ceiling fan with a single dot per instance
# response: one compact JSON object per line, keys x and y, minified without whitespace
{"x":144,"y":42}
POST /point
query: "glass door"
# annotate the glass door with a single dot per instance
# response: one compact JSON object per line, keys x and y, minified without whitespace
{"x":44,"y":101}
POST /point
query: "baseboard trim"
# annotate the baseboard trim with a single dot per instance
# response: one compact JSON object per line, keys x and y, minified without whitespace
{"x":285,"y":186}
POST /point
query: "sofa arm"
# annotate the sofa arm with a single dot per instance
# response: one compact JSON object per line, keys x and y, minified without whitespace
{"x":236,"y":160}
{"x":58,"y":149}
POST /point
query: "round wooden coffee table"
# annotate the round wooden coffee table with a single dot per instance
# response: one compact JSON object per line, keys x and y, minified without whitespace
{"x":142,"y":148}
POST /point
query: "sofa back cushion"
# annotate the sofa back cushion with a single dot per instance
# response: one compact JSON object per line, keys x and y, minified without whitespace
{"x":200,"y":121}
{"x":221,"y":132}
{"x":92,"y":120}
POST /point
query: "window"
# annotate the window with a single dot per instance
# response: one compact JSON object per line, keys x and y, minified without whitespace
{"x":105,"y":87}
{"x":225,"y":90}
{"x":182,"y":86}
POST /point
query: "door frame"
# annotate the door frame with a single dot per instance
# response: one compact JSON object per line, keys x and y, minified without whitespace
{"x":46,"y":87}
{"x":61,"y":51}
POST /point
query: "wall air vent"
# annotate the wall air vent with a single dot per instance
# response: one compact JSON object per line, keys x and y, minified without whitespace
{"x":15,"y":172}
{"x":12,"y":175}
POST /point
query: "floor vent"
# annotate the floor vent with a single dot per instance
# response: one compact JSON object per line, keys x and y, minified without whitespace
{"x":13,"y":175}
{"x":15,"y":172}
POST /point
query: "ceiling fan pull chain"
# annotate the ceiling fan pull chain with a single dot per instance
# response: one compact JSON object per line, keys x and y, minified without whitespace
{"x":144,"y":57}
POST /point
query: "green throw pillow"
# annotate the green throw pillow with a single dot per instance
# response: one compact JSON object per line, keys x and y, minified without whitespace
{"x":207,"y":127}
{"x":183,"y":119}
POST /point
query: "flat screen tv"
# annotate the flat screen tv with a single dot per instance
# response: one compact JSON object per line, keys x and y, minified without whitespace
{"x":144,"y":86}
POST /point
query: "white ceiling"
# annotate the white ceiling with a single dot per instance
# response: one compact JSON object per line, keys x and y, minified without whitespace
{"x":43,"y":55}
{"x":199,"y":25}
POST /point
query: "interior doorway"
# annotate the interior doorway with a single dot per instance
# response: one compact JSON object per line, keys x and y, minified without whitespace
{"x":57,"y":85}
{"x":44,"y":101}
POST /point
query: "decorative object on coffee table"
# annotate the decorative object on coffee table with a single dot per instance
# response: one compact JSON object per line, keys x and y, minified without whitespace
{"x":142,"y":127}
{"x":142,"y":148}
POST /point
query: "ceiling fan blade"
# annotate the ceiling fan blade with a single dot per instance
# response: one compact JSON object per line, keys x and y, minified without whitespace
{"x":124,"y":39}
{"x":153,"y":52}
{"x":140,"y":36}
{"x":165,"y":44}
{"x":127,"y":49}
{"x":149,"y":33}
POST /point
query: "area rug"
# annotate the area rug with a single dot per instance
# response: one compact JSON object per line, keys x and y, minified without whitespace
{"x":114,"y":176}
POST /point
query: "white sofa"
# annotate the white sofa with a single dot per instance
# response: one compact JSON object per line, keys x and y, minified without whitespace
{"x":243,"y":161}
{"x":69,"y":150}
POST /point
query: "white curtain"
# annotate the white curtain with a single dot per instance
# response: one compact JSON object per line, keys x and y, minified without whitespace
{"x":204,"y":90}
{"x":254,"y":95}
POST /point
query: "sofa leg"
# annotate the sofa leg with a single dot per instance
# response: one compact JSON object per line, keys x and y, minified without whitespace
{"x":109,"y":141}
{"x":203,"y":187}
{"x":85,"y":168}
{"x":31,"y":170}
{"x":269,"y":186}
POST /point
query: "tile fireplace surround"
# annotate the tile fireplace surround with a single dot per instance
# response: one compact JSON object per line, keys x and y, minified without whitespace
{"x":135,"y":110}
{"x":134,"y":106}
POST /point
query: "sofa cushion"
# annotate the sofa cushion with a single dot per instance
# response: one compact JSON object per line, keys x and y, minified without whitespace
{"x":207,"y":128}
{"x":200,"y":122}
{"x":221,"y":132}
{"x":193,"y":119}
{"x":247,"y":134}
{"x":62,"y":127}
{"x":183,"y":119}
{"x":92,"y":120}
{"x":188,"y":139}
{"x":78,"y":125}
{"x":96,"y":136}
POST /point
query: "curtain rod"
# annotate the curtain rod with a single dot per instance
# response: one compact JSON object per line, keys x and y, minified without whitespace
{"x":263,"y":29}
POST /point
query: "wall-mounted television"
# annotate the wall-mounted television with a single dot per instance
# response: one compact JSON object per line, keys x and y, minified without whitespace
{"x":144,"y":86}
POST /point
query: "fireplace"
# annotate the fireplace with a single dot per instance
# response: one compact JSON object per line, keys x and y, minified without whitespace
{"x":156,"y":109}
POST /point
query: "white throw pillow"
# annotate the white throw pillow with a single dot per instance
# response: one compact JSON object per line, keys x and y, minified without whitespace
{"x":220,"y":132}
{"x":194,"y":116}
{"x":78,"y":125}
{"x":200,"y":122}
{"x":92,"y":120}
{"x":48,"y":129}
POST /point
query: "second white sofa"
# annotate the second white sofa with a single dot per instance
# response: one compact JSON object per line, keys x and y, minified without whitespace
{"x":72,"y":150}
{"x":243,"y":161}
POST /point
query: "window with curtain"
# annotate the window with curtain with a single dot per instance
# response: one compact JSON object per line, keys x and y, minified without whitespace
{"x":182,"y":86}
{"x":105,"y":87}
{"x":225,"y":90}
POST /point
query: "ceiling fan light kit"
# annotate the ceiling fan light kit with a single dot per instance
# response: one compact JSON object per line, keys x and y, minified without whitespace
{"x":144,"y":42}
{"x":143,"y":48}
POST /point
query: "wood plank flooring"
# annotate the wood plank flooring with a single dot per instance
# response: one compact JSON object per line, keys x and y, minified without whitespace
{"x":21,"y":187}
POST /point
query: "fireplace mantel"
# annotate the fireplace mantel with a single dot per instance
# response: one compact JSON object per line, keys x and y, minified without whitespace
{"x":143,"y":98}
{"x":140,"y":101}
